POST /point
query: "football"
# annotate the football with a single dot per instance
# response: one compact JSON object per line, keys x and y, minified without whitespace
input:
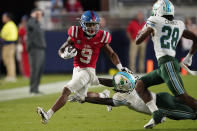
{"x":69,"y":52}
{"x":70,"y":48}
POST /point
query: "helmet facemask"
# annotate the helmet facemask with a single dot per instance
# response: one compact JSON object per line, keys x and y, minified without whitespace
{"x":90,"y":28}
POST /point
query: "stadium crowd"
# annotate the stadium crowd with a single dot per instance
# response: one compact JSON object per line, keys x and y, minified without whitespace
{"x":17,"y":48}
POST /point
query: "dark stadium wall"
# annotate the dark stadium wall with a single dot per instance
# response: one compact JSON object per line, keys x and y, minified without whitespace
{"x":91,"y":5}
{"x":17,"y":7}
{"x":120,"y":43}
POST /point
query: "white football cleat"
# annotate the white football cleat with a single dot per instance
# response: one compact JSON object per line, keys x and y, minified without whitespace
{"x":152,"y":123}
{"x":43,"y":114}
{"x":107,"y":94}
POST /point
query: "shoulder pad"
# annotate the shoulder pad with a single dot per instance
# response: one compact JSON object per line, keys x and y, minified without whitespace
{"x":152,"y":21}
{"x":106,"y":37}
{"x":73,"y":31}
{"x":182,"y":24}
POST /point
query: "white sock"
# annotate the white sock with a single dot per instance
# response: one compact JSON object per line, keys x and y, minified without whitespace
{"x":50,"y":113}
{"x":101,"y":95}
{"x":152,"y":106}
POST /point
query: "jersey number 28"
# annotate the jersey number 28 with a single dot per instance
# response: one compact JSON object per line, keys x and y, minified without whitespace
{"x":170,"y":38}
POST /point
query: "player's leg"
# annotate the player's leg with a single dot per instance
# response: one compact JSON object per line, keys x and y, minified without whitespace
{"x":170,"y":107}
{"x":171,"y":76}
{"x":79,"y":80}
{"x":61,"y":101}
{"x":105,"y":94}
{"x":142,"y":88}
{"x":173,"y":108}
{"x":153,"y":78}
{"x":94,"y":95}
{"x":190,"y":101}
{"x":117,"y":100}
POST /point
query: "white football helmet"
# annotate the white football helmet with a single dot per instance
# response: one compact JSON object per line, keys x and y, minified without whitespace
{"x":123,"y":82}
{"x":163,"y":7}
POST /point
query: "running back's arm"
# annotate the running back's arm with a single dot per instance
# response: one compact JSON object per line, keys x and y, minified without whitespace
{"x":62,"y":48}
{"x":190,"y":35}
{"x":143,"y":35}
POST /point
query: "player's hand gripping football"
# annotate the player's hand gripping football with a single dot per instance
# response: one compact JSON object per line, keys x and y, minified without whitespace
{"x":187,"y":60}
{"x":69,"y":52}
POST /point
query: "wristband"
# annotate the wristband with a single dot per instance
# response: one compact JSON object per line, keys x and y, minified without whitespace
{"x":119,"y":66}
{"x":189,"y":55}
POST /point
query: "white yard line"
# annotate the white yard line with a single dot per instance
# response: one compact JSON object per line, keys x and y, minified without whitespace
{"x":23,"y":92}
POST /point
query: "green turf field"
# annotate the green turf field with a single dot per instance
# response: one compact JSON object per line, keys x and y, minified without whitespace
{"x":20,"y":115}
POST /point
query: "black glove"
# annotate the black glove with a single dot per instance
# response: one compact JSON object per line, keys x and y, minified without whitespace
{"x":125,"y":69}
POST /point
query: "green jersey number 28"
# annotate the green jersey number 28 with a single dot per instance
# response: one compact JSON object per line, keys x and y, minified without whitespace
{"x":165,"y":40}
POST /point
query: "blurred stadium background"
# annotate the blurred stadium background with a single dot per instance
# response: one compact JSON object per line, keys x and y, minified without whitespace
{"x":117,"y":13}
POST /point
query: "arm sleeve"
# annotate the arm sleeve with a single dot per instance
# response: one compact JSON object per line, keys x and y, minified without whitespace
{"x":73,"y":32}
{"x":70,"y":31}
{"x":119,"y":100}
{"x":151,"y":22}
{"x":107,"y":38}
{"x":183,"y":25}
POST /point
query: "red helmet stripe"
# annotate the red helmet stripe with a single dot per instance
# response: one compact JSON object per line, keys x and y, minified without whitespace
{"x":93,"y":17}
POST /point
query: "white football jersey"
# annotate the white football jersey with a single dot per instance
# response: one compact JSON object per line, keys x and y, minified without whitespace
{"x":166,"y":35}
{"x":132,"y":101}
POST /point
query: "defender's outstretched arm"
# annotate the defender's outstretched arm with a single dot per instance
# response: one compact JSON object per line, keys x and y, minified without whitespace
{"x":106,"y":82}
{"x":143,"y":35}
{"x":101,"y":101}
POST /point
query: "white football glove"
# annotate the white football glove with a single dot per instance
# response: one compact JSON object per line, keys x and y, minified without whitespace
{"x":68,"y":55}
{"x":124,"y":69}
{"x":187,"y":60}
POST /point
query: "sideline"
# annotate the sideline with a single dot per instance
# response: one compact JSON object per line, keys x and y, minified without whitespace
{"x":50,"y":88}
{"x":23,"y":92}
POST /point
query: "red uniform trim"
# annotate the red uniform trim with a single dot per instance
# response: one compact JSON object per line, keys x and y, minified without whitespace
{"x":93,"y":17}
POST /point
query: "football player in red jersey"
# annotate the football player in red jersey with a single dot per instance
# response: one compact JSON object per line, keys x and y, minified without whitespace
{"x":86,"y":40}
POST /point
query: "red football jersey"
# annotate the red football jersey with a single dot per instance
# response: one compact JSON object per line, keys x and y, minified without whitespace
{"x":87,"y":49}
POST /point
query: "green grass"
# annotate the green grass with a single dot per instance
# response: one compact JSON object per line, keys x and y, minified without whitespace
{"x":21,"y":81}
{"x":20,"y":115}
